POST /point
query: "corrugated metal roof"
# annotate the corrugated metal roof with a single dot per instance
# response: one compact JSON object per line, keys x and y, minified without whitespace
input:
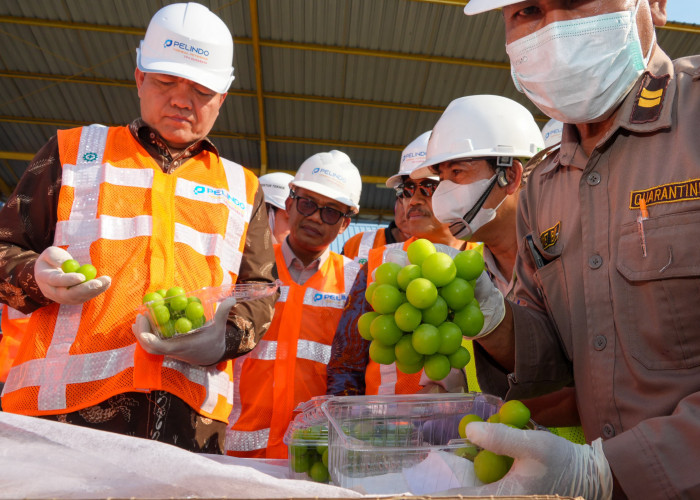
{"x":362,"y":76}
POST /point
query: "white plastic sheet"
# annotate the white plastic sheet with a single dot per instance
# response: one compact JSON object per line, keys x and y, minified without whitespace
{"x":44,"y":459}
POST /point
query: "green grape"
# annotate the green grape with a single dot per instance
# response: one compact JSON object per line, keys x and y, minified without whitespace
{"x":426,"y":339}
{"x":439,"y":268}
{"x":408,"y":317}
{"x":70,"y":266}
{"x":153,"y":297}
{"x":489,"y":467}
{"x":407,"y":274}
{"x":386,"y":299}
{"x":87,"y":270}
{"x":514,"y":413}
{"x":421,"y":293}
{"x":364,"y":322}
{"x":183,"y":325}
{"x":460,"y":358}
{"x":450,"y":338}
{"x":384,"y":329}
{"x":437,"y":366}
{"x":436,"y":314}
{"x":470,"y":264}
{"x":194,"y":311}
{"x":386,"y":273}
{"x":418,"y":250}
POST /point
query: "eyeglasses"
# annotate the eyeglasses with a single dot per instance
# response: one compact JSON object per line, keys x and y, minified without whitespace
{"x":307,"y":207}
{"x":408,"y":189}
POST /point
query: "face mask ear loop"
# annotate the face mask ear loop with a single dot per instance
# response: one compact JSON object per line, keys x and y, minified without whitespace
{"x":469,"y":216}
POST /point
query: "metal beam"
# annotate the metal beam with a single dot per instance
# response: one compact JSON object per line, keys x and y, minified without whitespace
{"x":128,"y":30}
{"x":255,"y":28}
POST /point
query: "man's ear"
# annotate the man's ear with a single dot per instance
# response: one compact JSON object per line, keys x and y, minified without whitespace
{"x":138,"y":77}
{"x":514,"y":175}
{"x":344,"y":225}
{"x":658,"y":12}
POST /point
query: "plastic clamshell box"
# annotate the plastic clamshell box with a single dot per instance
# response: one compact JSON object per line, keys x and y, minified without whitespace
{"x":372,"y":436}
{"x":306,"y":438}
{"x":209,"y":297}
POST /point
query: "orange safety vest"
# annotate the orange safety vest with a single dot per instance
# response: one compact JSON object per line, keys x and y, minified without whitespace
{"x":358,"y":246}
{"x":288,"y":366}
{"x":13,"y":326}
{"x":147,"y":230}
{"x":387,"y":379}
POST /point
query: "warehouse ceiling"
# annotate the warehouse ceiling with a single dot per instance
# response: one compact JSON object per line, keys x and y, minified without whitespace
{"x":362,"y":76}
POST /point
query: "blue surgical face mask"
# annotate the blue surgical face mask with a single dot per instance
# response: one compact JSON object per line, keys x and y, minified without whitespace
{"x":579,"y":71}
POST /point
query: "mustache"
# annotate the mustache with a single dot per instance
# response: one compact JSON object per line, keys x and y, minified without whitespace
{"x":417,"y":211}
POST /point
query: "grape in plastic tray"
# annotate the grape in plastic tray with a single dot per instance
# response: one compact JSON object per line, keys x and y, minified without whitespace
{"x":209,"y":297}
{"x":372,"y":436}
{"x":307,"y":440}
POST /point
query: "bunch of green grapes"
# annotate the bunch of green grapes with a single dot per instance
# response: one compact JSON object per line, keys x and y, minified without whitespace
{"x":422,"y":310}
{"x":309,"y":453}
{"x":174,"y":312}
{"x":488,"y":466}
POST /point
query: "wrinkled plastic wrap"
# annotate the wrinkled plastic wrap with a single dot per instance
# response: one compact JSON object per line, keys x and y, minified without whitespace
{"x":46,"y":459}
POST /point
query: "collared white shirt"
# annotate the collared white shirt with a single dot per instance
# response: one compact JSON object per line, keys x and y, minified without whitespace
{"x":300,"y":273}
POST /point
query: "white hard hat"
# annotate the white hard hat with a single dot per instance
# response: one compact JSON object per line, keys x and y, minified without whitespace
{"x":481,"y":126}
{"x":551,"y":132}
{"x":275,"y":186}
{"x":412,"y":157}
{"x":331,"y":174}
{"x":189,"y":41}
{"x":479,"y":6}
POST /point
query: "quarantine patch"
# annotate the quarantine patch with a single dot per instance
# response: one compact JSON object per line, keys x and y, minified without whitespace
{"x":550,"y":237}
{"x":667,"y":193}
{"x":650,"y":99}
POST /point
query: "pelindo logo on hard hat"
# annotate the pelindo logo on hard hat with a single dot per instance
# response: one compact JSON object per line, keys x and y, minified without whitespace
{"x":326,"y":172}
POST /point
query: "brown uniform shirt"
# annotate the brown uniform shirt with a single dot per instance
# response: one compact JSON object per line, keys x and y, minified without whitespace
{"x":28,"y":223}
{"x":625,"y":326}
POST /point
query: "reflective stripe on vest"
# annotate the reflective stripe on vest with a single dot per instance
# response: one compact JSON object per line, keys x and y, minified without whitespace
{"x":366,"y":244}
{"x":318,"y":294}
{"x":209,"y":389}
{"x":387,"y":379}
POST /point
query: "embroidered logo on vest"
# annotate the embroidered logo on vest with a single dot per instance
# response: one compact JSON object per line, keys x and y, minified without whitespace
{"x":89,"y":156}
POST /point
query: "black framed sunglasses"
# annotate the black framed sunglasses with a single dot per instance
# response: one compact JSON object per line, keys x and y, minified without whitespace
{"x":307,"y":207}
{"x":408,"y":189}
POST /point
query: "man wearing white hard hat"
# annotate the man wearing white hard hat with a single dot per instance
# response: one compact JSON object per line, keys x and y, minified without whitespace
{"x":478,"y":148}
{"x":152,"y":205}
{"x":350,"y":371}
{"x":289,"y":366}
{"x":359,"y":245}
{"x":607,"y":250}
{"x":275,"y":185}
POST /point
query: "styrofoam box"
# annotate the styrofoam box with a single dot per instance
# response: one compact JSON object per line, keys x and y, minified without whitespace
{"x":372,"y":436}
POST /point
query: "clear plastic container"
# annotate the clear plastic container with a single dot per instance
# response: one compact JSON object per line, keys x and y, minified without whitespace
{"x":307,"y":442}
{"x":163,"y":315}
{"x":372,"y":438}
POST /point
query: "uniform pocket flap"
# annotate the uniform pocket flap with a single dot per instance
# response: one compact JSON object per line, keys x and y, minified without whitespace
{"x":668,"y":251}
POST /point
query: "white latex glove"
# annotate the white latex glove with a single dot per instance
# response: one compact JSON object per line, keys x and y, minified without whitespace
{"x":456,"y":381}
{"x":544,"y":464}
{"x":65,"y":288}
{"x":491,"y":304}
{"x":204,"y":347}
